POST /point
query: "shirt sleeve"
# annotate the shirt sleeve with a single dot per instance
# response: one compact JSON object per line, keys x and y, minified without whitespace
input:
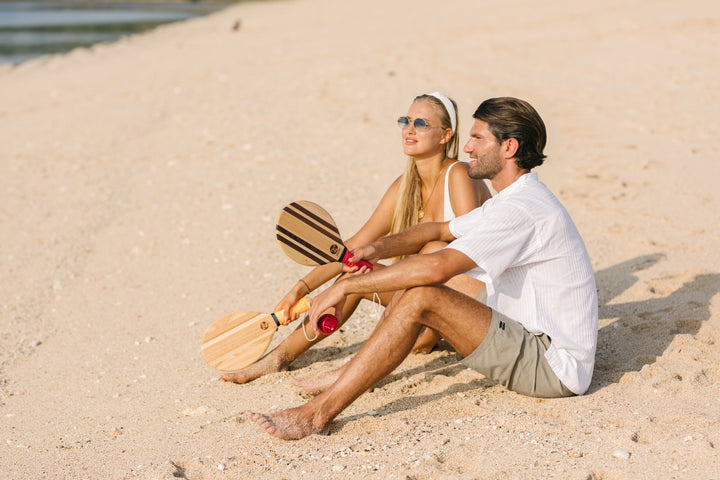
{"x":494,"y":238}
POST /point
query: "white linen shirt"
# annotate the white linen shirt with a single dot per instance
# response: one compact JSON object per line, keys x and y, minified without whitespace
{"x":537,"y":272}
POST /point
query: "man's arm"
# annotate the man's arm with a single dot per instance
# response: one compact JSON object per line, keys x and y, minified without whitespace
{"x":407,"y":242}
{"x":430,"y":269}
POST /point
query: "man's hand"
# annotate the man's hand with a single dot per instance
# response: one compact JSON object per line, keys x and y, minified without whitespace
{"x":368,"y":253}
{"x":334,"y":297}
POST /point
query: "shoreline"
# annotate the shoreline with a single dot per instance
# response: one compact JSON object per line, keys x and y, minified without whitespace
{"x":43,"y":28}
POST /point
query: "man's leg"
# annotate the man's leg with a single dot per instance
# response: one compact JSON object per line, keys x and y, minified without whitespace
{"x":460,"y":319}
{"x":320,"y":383}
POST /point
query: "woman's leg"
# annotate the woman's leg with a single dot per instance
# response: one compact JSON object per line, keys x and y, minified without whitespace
{"x":296,"y":343}
{"x":428,"y":338}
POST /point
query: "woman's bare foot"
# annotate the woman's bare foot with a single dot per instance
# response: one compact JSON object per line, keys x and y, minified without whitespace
{"x":291,"y":424}
{"x":317,"y":384}
{"x":426,"y":341}
{"x":270,"y":363}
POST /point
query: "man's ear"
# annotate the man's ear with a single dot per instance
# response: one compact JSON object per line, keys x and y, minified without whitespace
{"x":510,"y":147}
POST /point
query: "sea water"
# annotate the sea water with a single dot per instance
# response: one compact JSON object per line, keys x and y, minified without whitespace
{"x":33,"y":28}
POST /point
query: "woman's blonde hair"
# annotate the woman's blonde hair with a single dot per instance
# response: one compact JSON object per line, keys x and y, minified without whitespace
{"x":409,"y":198}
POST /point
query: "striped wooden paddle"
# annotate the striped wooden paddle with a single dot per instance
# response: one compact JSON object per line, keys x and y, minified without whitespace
{"x":308,"y":234}
{"x":241,"y":338}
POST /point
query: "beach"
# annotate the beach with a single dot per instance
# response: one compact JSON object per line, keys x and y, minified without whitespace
{"x":141,"y":184}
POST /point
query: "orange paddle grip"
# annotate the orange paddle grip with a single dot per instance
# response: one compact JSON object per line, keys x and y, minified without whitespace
{"x":301,"y":306}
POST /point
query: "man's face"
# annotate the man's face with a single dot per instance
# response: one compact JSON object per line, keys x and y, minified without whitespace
{"x":484,"y":152}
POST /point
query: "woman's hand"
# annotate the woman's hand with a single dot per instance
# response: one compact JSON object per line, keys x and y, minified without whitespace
{"x":290,"y":299}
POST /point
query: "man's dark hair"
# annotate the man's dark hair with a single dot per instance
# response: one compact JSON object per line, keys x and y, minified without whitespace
{"x":509,"y":117}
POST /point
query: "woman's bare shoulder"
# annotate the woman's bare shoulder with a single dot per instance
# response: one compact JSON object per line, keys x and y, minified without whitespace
{"x":463,"y":186}
{"x":459,"y":173}
{"x":459,"y":168}
{"x":395,"y":185}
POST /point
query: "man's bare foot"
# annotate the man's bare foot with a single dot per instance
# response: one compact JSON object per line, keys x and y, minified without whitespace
{"x":291,"y":424}
{"x":270,"y":363}
{"x":317,"y":384}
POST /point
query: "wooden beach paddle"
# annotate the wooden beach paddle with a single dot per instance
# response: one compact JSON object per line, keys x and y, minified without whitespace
{"x":308,"y":234}
{"x":239,"y":339}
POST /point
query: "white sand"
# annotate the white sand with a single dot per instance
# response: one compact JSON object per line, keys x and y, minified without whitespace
{"x":141,"y":182}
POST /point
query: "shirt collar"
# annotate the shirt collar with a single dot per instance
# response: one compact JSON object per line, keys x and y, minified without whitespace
{"x":517,"y":184}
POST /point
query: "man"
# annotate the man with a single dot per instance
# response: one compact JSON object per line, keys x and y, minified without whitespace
{"x":536,"y":333}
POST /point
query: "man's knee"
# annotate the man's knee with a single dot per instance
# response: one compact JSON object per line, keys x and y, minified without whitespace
{"x":418,"y":300}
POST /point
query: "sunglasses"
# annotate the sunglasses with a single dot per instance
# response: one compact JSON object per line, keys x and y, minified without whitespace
{"x":418,"y":123}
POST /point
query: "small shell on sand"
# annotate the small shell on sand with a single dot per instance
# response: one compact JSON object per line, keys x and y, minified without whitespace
{"x":621,"y":454}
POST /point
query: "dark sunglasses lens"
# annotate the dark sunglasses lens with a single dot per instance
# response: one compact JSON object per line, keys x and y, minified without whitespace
{"x":420,"y":123}
{"x":403,"y":122}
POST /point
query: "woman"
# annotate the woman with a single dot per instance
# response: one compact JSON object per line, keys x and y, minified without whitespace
{"x":434,"y":188}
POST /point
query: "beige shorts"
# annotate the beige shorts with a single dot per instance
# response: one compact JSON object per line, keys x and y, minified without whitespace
{"x":515,"y":357}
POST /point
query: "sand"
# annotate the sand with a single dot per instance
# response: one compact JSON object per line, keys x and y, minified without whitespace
{"x":141,"y":181}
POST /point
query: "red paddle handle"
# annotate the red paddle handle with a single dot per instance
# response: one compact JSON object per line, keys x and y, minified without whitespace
{"x":328,"y":323}
{"x":360,"y":263}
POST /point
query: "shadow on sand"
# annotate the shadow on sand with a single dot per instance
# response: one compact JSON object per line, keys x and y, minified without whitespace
{"x":652,"y":324}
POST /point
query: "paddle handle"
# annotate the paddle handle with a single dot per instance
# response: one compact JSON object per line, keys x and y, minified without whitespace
{"x":301,"y":306}
{"x":360,"y":263}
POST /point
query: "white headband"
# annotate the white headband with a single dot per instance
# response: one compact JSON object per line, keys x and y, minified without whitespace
{"x":448,"y":106}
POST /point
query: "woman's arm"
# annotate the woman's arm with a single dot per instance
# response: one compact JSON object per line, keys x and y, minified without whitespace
{"x":376,"y":226}
{"x":379,"y":223}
